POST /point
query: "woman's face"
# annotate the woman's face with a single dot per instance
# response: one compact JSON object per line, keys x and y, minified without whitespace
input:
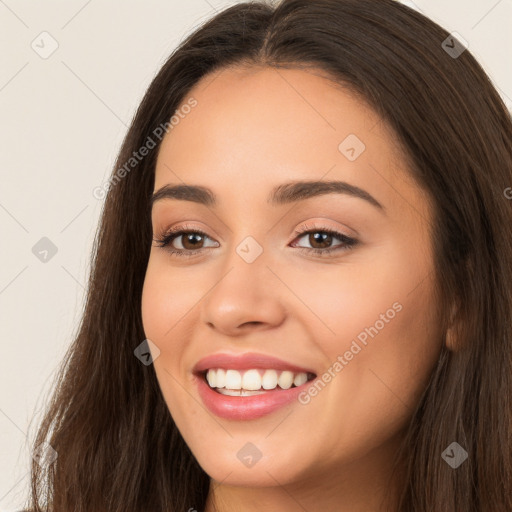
{"x":361,"y":318}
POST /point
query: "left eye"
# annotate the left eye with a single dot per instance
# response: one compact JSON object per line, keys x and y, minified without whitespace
{"x":324,"y":238}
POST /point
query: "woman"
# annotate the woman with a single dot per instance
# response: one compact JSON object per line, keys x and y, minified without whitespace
{"x":301,"y":287}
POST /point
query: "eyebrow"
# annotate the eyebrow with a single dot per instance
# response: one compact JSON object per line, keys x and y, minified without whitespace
{"x":280,"y":195}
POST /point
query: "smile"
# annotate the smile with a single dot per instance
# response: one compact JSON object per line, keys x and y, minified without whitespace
{"x":253,"y":381}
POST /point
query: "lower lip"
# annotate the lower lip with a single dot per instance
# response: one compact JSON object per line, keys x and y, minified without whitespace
{"x":246,"y":407}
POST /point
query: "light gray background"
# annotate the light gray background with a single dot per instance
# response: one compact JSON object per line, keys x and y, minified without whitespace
{"x":63,"y":119}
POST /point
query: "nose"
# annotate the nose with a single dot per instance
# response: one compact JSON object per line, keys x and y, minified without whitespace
{"x":247,"y":296}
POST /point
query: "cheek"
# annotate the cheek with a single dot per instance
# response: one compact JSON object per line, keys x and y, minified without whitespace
{"x":380,"y":386}
{"x":166,"y":298}
{"x":380,"y":318}
{"x":164,"y":302}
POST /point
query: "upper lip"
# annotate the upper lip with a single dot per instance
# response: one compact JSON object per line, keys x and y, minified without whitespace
{"x":246,"y":361}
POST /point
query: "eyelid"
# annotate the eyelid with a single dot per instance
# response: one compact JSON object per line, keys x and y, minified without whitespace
{"x":318,"y":224}
{"x":184,"y":226}
{"x":323,"y":224}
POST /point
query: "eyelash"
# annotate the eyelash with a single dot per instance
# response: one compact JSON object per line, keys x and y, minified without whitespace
{"x":173,"y":233}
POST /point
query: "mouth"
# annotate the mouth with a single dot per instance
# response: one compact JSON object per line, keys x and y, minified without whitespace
{"x":233,"y":401}
{"x":253,"y":381}
{"x":246,"y":386}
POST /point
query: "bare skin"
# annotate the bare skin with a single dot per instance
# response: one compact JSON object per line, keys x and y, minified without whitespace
{"x":254,"y":129}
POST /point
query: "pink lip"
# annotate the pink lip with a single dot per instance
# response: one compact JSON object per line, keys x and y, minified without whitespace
{"x":246,"y":407}
{"x":246,"y":361}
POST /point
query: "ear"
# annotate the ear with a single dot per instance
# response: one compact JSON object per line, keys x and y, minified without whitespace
{"x":451,"y":340}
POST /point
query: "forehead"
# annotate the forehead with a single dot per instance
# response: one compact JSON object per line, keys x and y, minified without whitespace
{"x":253,"y":128}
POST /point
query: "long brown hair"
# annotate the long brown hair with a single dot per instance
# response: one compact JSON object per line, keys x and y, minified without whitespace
{"x":117,"y":446}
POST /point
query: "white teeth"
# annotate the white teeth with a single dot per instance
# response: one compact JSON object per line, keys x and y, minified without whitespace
{"x":269,"y":380}
{"x":233,"y":380}
{"x":299,"y":379}
{"x":220,"y":378}
{"x":253,"y":381}
{"x":211,"y":378}
{"x":285,"y":380}
{"x":241,"y":392}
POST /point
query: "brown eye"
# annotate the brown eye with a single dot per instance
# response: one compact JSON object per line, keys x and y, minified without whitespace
{"x":321,"y":238}
{"x":191,"y":241}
